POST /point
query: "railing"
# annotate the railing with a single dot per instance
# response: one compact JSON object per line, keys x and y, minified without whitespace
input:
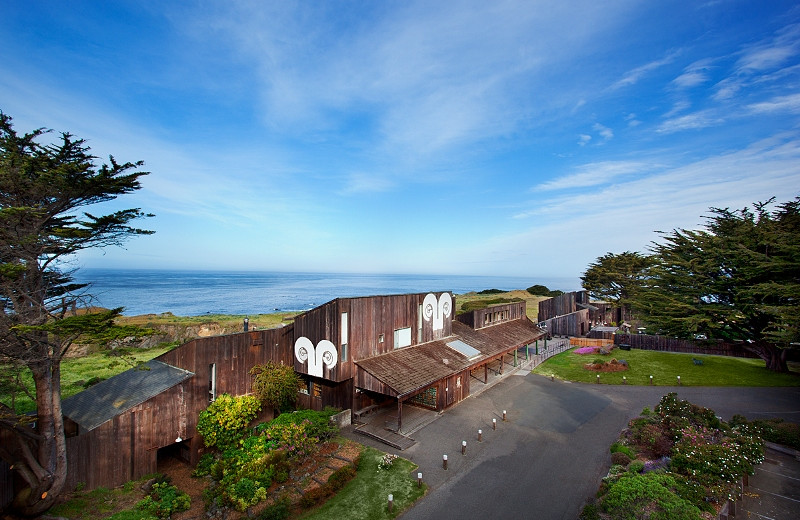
{"x":554,"y":346}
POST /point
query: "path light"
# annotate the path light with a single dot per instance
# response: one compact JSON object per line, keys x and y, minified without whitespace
{"x":391,"y":503}
{"x":463,"y":447}
{"x":504,"y":416}
{"x":444,"y":461}
{"x":480,"y":435}
{"x":419,"y":479}
{"x":651,"y":380}
{"x":624,"y":380}
{"x":598,"y":379}
{"x":679,"y":380}
{"x":494,"y":424}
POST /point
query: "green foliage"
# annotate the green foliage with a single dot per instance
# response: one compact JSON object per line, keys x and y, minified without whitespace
{"x":319,"y":422}
{"x":165,"y":500}
{"x":736,"y":279}
{"x":276,"y":385}
{"x":653,"y":496}
{"x":280,"y":510}
{"x":294,"y":438}
{"x":636,"y":466}
{"x":541,"y":290}
{"x":470,"y":306}
{"x":773,"y":430}
{"x":491,"y":291}
{"x":616,"y":278}
{"x":225,"y":420}
{"x":621,"y":448}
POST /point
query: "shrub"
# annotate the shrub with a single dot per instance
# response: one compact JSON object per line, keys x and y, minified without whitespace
{"x":280,"y":510}
{"x":773,"y":430}
{"x":652,"y":496}
{"x":225,"y":420}
{"x":618,"y":447}
{"x":636,"y":466}
{"x":652,"y":439}
{"x":276,"y":385}
{"x":341,"y":476}
{"x":620,"y":458}
{"x":319,"y":422}
{"x":585,"y":350}
{"x":164,"y":500}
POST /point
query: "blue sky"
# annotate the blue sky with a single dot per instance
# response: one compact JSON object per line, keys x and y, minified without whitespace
{"x":500,"y":138}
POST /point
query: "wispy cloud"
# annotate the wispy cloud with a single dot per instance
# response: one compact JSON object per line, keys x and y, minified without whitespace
{"x":595,"y":174}
{"x":789,"y":104}
{"x":694,"y":121}
{"x":633,"y":76}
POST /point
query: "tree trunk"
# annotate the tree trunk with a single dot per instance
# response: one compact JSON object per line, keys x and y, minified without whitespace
{"x":43,"y":466}
{"x":774,"y":357}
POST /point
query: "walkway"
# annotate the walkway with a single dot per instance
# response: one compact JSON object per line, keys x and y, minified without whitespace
{"x":548,"y":458}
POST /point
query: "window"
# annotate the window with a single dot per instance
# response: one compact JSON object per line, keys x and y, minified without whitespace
{"x":343,"y":350}
{"x":380,"y":338}
{"x":212,"y":382}
{"x":402,"y":337}
{"x":316,"y":390}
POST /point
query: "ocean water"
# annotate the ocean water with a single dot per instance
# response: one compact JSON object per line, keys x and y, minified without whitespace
{"x":194,"y":293}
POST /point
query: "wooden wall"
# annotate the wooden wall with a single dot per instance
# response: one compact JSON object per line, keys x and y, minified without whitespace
{"x":493,"y":315}
{"x":573,"y":324}
{"x":126,"y":447}
{"x":557,"y":306}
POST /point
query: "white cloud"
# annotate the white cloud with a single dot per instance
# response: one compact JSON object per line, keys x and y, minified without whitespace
{"x":633,"y":76}
{"x":605,"y":132}
{"x":595,"y":174}
{"x":583,"y":139}
{"x":789,"y":103}
{"x":695,"y":121}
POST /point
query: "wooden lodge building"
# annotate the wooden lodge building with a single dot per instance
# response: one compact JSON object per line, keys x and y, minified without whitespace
{"x":352,"y":353}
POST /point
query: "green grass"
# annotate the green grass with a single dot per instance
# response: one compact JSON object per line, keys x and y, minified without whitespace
{"x":366,"y":496}
{"x":665,"y":367}
{"x":77,"y":371}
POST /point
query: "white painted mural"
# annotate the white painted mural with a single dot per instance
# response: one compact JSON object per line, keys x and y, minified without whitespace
{"x":324,"y":354}
{"x":437,"y":309}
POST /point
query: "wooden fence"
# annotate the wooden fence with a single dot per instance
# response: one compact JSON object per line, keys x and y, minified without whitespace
{"x":590,"y":342}
{"x":666,"y":344}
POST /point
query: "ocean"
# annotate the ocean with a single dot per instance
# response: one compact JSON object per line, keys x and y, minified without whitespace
{"x":194,"y":293}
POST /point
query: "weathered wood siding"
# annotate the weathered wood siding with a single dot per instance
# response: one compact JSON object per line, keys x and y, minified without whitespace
{"x":558,"y":306}
{"x":126,"y":447}
{"x":233,"y":356}
{"x":573,"y":324}
{"x":590,"y":342}
{"x":667,"y":344}
{"x":493,"y":315}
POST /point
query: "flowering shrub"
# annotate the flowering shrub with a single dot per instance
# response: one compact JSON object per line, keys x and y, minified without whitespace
{"x":386,"y":461}
{"x":293,"y":438}
{"x":164,"y":500}
{"x":653,"y":496}
{"x":585,"y":350}
{"x":225,"y":420}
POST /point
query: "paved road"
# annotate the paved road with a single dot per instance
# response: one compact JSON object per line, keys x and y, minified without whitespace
{"x":551,"y":454}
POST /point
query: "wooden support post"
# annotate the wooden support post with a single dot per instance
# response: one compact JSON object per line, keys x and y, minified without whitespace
{"x":527,"y":351}
{"x":502,"y":362}
{"x":486,"y":373}
{"x":537,"y":347}
{"x":515,"y":357}
{"x":399,"y":415}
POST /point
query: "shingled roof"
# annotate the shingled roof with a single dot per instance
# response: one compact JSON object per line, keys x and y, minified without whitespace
{"x":107,"y":399}
{"x":409,"y":369}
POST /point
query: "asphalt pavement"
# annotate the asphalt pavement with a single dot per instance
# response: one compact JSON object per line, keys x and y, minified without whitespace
{"x":551,"y":453}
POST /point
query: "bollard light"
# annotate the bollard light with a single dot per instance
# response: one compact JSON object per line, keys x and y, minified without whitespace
{"x":480,"y":435}
{"x":651,"y":380}
{"x":444,"y":461}
{"x":494,"y":424}
{"x":679,"y":380}
{"x":504,"y":415}
{"x":598,"y":378}
{"x":419,"y":479}
{"x":463,"y":447}
{"x":624,"y":380}
{"x":391,"y":502}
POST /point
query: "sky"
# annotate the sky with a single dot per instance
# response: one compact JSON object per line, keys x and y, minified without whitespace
{"x":518,"y":138}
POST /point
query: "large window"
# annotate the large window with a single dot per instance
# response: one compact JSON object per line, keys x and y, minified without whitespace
{"x":343,"y":350}
{"x":212,"y":382}
{"x":402,"y":337}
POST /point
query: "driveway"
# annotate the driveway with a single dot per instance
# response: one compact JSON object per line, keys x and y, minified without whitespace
{"x":549,"y":456}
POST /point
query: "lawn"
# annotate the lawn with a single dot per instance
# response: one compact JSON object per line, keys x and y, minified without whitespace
{"x":665,"y":367}
{"x":366,"y":496}
{"x":77,"y":372}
